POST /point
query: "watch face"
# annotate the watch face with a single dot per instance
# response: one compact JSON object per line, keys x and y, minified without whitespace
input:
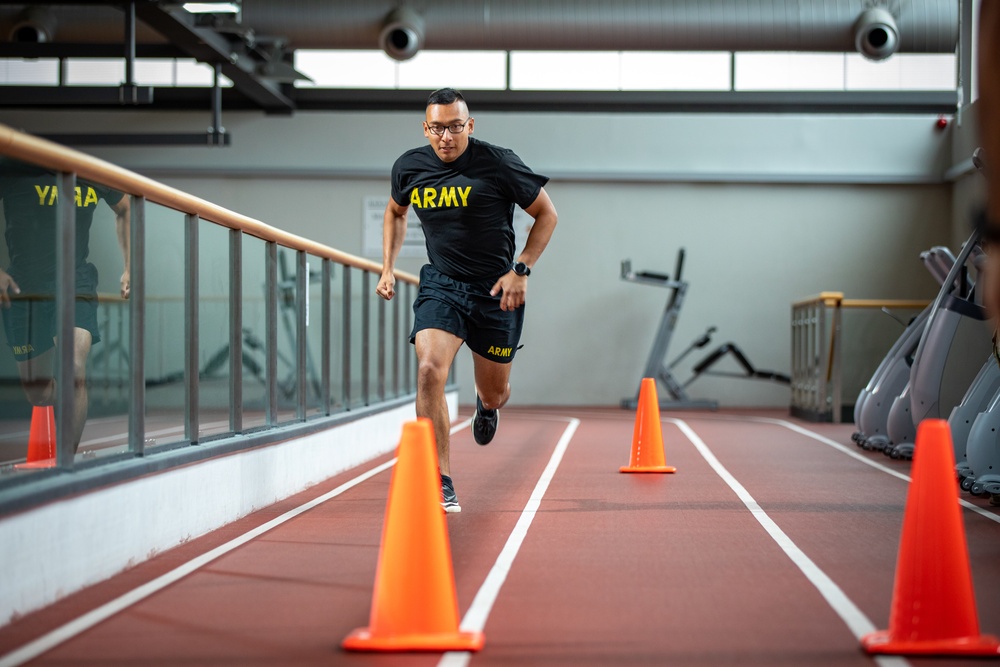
{"x":521,"y":269}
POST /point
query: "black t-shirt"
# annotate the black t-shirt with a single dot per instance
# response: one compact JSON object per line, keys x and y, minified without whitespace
{"x":466,"y":207}
{"x":29,"y":196}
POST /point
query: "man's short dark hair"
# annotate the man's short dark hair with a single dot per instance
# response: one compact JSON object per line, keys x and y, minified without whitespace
{"x":445,"y":96}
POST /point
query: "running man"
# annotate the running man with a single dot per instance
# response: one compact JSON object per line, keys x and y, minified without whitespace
{"x":989,"y":133}
{"x":473,"y":290}
{"x":27,"y":286}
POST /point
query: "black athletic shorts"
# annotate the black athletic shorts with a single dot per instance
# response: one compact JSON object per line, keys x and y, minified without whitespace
{"x":468,"y":311}
{"x":30,"y":322}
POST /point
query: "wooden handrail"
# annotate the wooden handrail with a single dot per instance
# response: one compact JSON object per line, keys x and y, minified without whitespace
{"x":836,"y":299}
{"x":884,"y":303}
{"x":825,"y":298}
{"x":50,"y":155}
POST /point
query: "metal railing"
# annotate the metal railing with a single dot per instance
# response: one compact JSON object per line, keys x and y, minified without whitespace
{"x":817,"y":352}
{"x":341,"y":353}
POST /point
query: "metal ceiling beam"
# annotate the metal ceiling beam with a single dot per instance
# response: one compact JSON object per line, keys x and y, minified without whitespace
{"x":208,"y":46}
{"x":85,"y":50}
{"x":75,"y":96}
{"x":318,"y":99}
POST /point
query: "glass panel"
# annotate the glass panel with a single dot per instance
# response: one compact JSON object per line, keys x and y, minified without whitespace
{"x":458,"y":69}
{"x":28,"y":221}
{"x":108,"y":366}
{"x":314,"y":339}
{"x":164,"y":326}
{"x":18,"y":72}
{"x":288,"y":330}
{"x":94,"y":71}
{"x":790,"y":71}
{"x":345,"y":69}
{"x":213,"y":329}
{"x":646,"y":70}
{"x":254,"y":334}
{"x":358,"y":396}
{"x":565,"y":70}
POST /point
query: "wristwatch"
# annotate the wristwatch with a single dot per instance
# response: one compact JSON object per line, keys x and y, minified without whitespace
{"x":521,"y":269}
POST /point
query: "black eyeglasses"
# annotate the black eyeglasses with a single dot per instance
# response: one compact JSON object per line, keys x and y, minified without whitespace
{"x":454,"y":128}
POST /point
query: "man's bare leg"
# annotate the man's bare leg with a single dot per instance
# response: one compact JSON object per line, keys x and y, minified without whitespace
{"x":436,"y":350}
{"x":492,"y":382}
{"x":39,"y":383}
{"x":81,"y":351}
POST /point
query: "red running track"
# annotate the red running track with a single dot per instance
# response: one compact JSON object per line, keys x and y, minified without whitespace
{"x":614,"y":569}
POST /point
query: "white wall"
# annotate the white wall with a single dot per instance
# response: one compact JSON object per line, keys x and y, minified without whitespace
{"x":769,"y":207}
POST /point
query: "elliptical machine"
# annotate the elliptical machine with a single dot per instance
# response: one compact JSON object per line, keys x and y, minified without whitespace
{"x":874,"y":402}
{"x":658,"y":368}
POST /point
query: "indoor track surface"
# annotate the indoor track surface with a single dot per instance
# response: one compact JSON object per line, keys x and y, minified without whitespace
{"x":774,"y":543}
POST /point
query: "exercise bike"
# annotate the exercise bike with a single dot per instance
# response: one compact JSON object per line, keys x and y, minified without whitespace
{"x":656,"y":367}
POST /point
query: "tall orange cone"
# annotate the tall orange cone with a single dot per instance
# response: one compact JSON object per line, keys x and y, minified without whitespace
{"x":647,"y":438}
{"x":933,"y":604}
{"x":414,"y":605}
{"x":41,"y":439}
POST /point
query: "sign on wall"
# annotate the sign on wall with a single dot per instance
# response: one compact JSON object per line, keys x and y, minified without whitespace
{"x":373,"y":208}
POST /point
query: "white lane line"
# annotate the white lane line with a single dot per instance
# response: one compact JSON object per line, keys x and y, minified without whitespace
{"x":992,"y":516}
{"x":479,"y":611}
{"x":849,"y":612}
{"x":83,"y":623}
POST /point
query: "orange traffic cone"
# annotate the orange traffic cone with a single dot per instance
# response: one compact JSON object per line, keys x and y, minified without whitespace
{"x":414,"y":605}
{"x":647,"y":438}
{"x":933,"y":604}
{"x":41,"y":439}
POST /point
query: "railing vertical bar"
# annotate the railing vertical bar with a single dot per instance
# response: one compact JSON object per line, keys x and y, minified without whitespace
{"x":65,"y":296}
{"x":236,"y":331}
{"x":271,"y":332}
{"x":137,"y":327}
{"x":346,"y":331}
{"x":301,"y":340}
{"x":191,"y":289}
{"x":325,"y":311}
{"x":380,"y":382}
{"x":366,"y":310}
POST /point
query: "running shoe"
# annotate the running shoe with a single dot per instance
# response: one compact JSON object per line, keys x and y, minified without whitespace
{"x":484,"y":424}
{"x":449,"y":501}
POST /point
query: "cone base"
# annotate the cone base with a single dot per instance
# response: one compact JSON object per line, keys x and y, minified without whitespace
{"x":31,"y":465}
{"x":883,"y":642}
{"x":363,"y":640}
{"x":647,"y":469}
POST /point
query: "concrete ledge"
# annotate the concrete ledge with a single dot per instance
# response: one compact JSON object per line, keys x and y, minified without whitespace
{"x":52,"y":551}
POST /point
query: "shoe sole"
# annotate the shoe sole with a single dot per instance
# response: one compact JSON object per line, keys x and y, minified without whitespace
{"x":451,"y":509}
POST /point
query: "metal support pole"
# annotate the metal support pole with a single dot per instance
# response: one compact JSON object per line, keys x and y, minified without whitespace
{"x":128,"y":89}
{"x":217,"y":132}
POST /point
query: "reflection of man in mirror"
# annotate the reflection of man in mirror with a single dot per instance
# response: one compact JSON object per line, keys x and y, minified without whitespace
{"x":28,"y":284}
